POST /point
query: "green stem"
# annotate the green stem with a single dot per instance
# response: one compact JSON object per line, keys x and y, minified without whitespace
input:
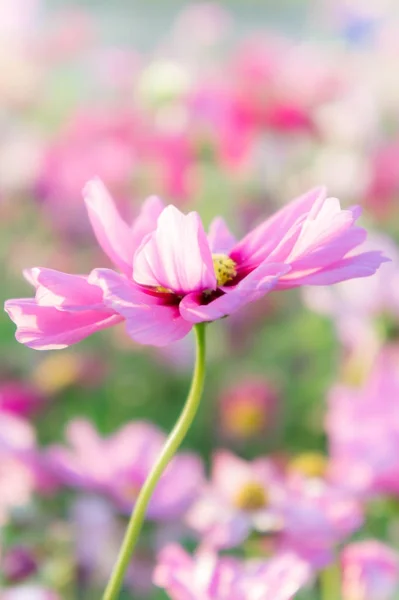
{"x":330,"y":582}
{"x":173,"y":442}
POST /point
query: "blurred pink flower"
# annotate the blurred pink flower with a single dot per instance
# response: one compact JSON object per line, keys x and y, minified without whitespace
{"x":306,"y":516}
{"x":19,"y":398}
{"x":23,"y":469}
{"x":363,"y":430}
{"x":174,"y":275}
{"x":17,"y":479}
{"x":355,"y":305}
{"x":240,"y":496}
{"x":247,"y":408}
{"x":207,"y":576}
{"x":118,"y":465}
{"x":381,"y":195}
{"x":317,"y":517}
{"x":96,"y":142}
{"x":370,"y":571}
{"x":28,"y":592}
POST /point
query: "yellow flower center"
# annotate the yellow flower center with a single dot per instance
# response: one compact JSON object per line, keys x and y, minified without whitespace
{"x":252,"y":496}
{"x":310,"y":464}
{"x":224,"y":267}
{"x":245,"y":419}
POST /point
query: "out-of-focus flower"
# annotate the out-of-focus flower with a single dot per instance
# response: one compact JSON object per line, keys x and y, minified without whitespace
{"x":175,"y":276}
{"x":95,"y":142}
{"x":383,"y":189}
{"x":207,"y":576}
{"x":304,"y":515}
{"x":28,"y":592}
{"x":117,"y":467}
{"x":356,"y":305}
{"x":370,"y":571}
{"x":19,"y":398}
{"x":59,"y":371}
{"x":18,"y":564}
{"x":17,"y":481}
{"x":309,"y":464}
{"x":23,"y":470}
{"x":363,"y":430}
{"x":247,"y":408}
{"x":317,"y":516}
{"x":97,"y":537}
{"x":240,"y":496}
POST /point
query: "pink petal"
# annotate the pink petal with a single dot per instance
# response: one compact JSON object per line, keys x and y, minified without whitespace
{"x":47,"y":328}
{"x":115,"y":236}
{"x":322,"y":228}
{"x":177,"y":255}
{"x":149,"y":318}
{"x":252,"y":287}
{"x":220,"y":239}
{"x":64,"y":291}
{"x":352,"y":267}
{"x":332,"y":251}
{"x":230,"y":473}
{"x":261,"y":241}
{"x":146,"y":222}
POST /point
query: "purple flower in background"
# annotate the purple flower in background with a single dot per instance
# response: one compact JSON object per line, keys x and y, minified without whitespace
{"x":370,"y":571}
{"x":205,"y":576}
{"x":118,"y":465}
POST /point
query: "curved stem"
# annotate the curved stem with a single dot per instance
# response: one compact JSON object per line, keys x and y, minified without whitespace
{"x":173,"y":442}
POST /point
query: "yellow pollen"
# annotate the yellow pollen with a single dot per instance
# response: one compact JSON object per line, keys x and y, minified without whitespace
{"x":310,"y":464}
{"x":224,"y":267}
{"x":252,"y":496}
{"x":163,"y":290}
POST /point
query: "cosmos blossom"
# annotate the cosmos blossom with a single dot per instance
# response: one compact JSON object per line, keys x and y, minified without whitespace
{"x":173,"y":275}
{"x":207,"y":576}
{"x":128,"y":456}
{"x":370,"y":571}
{"x":298,"y":514}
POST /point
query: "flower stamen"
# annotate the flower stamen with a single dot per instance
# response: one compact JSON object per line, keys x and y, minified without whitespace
{"x":252,"y":496}
{"x":224,"y":267}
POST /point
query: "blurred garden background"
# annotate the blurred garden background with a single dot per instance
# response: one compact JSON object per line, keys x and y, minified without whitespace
{"x":232,"y":109}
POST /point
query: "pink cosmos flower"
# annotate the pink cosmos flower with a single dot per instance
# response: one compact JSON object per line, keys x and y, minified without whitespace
{"x":370,"y":571}
{"x":306,"y":516}
{"x":363,"y":430}
{"x":207,"y":576}
{"x":118,"y":465}
{"x":317,"y":517}
{"x":241,"y":496}
{"x":174,"y":275}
